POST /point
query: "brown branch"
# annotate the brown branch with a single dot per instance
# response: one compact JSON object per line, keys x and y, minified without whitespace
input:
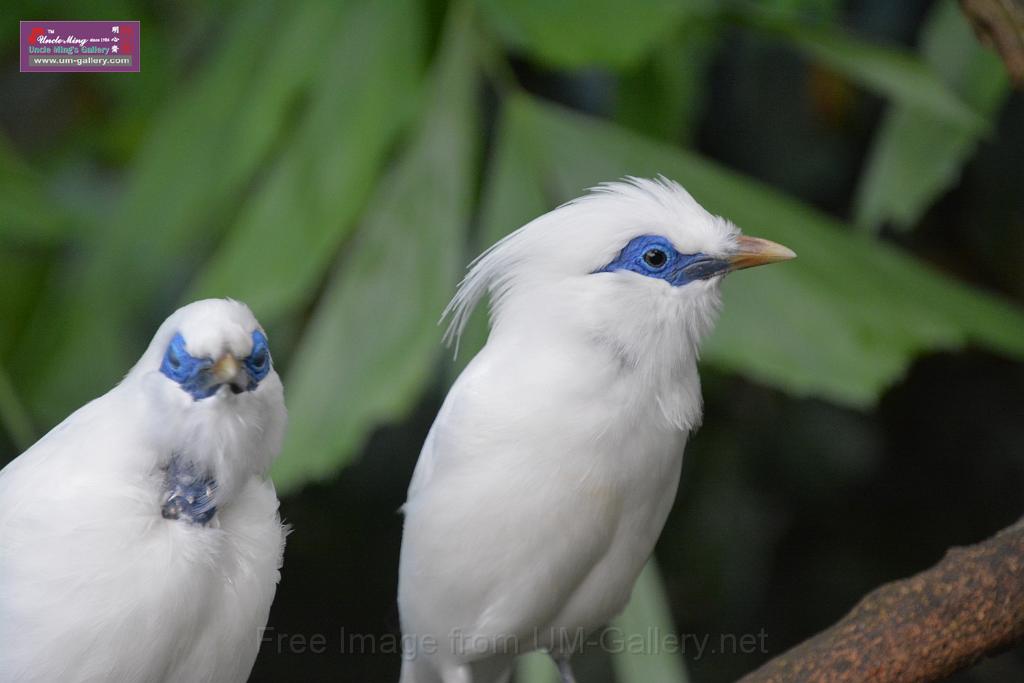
{"x":999,"y":24}
{"x":969,"y":605}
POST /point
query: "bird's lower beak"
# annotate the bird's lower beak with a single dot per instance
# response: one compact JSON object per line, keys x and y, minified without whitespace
{"x":227,"y":370}
{"x":754,"y":251}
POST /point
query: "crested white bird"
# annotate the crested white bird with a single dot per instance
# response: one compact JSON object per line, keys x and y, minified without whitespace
{"x":140,"y":538}
{"x":551,"y":467}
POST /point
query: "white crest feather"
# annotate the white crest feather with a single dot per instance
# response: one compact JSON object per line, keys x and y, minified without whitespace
{"x":604,"y":219}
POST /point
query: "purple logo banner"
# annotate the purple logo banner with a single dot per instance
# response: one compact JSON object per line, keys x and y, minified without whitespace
{"x":49,"y":46}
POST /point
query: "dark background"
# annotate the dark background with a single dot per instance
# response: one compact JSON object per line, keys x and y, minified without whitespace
{"x":792,"y":505}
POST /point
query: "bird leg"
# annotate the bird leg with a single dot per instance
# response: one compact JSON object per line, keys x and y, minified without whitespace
{"x":564,"y":668}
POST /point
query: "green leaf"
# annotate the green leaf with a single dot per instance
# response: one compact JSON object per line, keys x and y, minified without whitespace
{"x":512,"y":197}
{"x":916,"y":156}
{"x":843,"y":321}
{"x":891,"y":72}
{"x":664,"y":96}
{"x":29,"y":216}
{"x":284,"y":240}
{"x":647,"y":616}
{"x":214,"y":138}
{"x":822,"y":10}
{"x":382,"y":307}
{"x":197,"y":161}
{"x":13,"y":415}
{"x":575,"y":33}
{"x":536,"y":667}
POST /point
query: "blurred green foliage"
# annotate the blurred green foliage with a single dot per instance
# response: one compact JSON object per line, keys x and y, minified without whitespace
{"x":915,"y":154}
{"x":335,"y":165}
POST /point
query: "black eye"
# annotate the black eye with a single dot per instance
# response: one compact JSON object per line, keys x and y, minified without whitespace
{"x":172,"y":358}
{"x":655,"y":258}
{"x":259,"y":357}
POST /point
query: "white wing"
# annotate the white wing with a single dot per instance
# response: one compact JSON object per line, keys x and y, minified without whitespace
{"x":485,"y":548}
{"x":96,"y":586}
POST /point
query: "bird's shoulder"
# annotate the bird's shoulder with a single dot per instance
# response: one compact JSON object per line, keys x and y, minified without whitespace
{"x":87,"y":442}
{"x":473,"y":376}
{"x":497,"y":397}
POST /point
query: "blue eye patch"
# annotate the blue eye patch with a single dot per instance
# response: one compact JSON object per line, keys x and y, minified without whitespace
{"x":195,"y":375}
{"x":654,"y":256}
{"x":257,"y":363}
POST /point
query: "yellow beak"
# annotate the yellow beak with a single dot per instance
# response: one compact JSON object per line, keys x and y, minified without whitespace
{"x":225,"y":369}
{"x":754,"y":251}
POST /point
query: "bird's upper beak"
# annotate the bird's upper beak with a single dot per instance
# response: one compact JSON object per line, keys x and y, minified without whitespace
{"x":227,"y":370}
{"x":748,"y":252}
{"x":754,"y":251}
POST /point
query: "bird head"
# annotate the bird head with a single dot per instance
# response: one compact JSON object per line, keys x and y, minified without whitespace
{"x":208,"y":381}
{"x":634,"y":265}
{"x":216,"y":348}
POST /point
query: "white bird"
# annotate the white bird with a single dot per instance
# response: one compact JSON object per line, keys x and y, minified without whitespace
{"x":549,"y":471}
{"x":140,"y":539}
